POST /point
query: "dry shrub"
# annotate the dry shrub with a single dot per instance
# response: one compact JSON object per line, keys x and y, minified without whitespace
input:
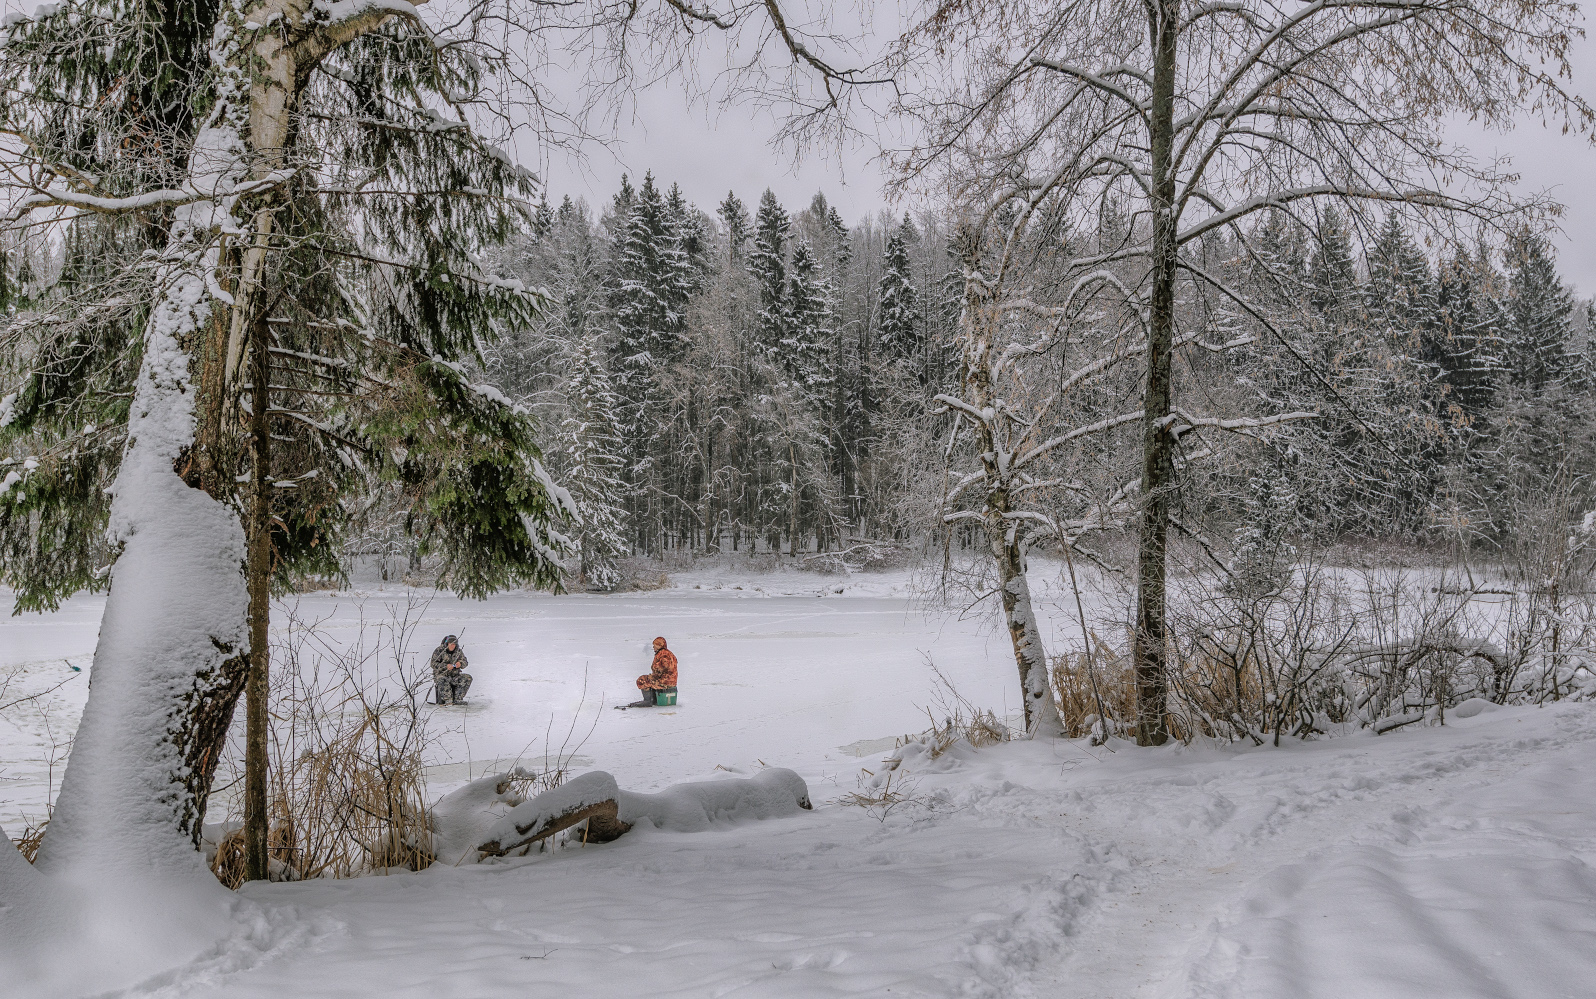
{"x":895,"y":789}
{"x":1095,"y":685}
{"x":961,"y":720}
{"x":228,"y":863}
{"x":346,"y":786}
{"x":659,"y":582}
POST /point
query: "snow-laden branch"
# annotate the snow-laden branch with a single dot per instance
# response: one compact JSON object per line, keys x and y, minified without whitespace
{"x":169,"y":198}
{"x":1107,"y":423}
{"x":1100,"y":80}
{"x":1280,"y":199}
{"x":1240,"y":425}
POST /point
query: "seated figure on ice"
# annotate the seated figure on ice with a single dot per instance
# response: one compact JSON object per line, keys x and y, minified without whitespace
{"x":658,"y":685}
{"x":450,"y":681}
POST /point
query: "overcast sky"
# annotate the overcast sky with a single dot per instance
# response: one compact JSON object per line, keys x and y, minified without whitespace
{"x":712,"y":150}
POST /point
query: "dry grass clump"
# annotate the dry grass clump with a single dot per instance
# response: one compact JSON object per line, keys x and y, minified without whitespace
{"x":961,"y":721}
{"x":1092,"y":686}
{"x":880,"y":801}
{"x":28,"y":843}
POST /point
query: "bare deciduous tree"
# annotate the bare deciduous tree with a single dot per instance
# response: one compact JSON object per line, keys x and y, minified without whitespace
{"x":1194,"y":117}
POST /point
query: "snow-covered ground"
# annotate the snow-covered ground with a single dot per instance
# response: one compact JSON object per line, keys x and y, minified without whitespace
{"x":1445,"y":862}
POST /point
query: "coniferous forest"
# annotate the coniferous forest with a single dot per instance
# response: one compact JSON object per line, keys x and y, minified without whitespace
{"x":763,"y":378}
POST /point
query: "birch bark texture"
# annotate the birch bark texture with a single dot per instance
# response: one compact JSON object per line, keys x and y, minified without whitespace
{"x":1190,"y":119}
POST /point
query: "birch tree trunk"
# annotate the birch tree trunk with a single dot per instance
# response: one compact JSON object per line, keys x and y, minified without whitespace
{"x":978,"y":329}
{"x":168,"y":666}
{"x":173,"y":629}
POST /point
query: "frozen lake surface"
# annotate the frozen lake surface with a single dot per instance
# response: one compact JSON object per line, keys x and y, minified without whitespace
{"x":774,"y":667}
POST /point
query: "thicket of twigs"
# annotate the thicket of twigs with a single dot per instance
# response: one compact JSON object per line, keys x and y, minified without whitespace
{"x":1328,"y":650}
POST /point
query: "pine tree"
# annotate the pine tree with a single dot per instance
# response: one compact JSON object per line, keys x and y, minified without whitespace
{"x":689,"y":232}
{"x":1399,"y":295}
{"x":337,"y":364}
{"x":804,"y":354}
{"x":1263,"y":553}
{"x":1468,"y":331}
{"x":1587,"y":357}
{"x":593,"y":464}
{"x":543,"y":218}
{"x":734,"y":216}
{"x":647,"y":305}
{"x":1332,"y":275}
{"x":1277,"y":260}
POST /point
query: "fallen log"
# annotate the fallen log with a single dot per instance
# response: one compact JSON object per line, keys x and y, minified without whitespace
{"x":489,"y":818}
{"x":602,"y":812}
{"x":592,"y":795}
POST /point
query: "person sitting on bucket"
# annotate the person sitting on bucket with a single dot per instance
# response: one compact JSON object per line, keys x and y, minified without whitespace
{"x":659,"y":685}
{"x":450,"y":681}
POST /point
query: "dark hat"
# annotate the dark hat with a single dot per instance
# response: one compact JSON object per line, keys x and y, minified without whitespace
{"x":450,"y":638}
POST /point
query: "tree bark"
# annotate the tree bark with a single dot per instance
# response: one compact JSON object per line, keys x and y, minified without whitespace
{"x":792,"y":454}
{"x":259,"y":576}
{"x":1158,"y":465}
{"x":133,"y":798}
{"x":169,"y":663}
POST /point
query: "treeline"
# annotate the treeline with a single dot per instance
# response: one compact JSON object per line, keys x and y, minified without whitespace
{"x":1453,"y":389}
{"x":735,"y":381}
{"x":764,"y":379}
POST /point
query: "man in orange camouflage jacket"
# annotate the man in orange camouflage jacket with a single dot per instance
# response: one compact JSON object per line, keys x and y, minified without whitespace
{"x":661,"y":678}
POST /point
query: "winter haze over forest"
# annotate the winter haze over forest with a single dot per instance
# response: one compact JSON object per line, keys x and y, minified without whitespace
{"x":797,"y":499}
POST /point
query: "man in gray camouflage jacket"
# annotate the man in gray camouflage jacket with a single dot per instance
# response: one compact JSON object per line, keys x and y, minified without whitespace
{"x":450,"y":681}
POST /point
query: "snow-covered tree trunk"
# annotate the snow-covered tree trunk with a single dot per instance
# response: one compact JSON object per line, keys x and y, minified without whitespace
{"x":174,"y":621}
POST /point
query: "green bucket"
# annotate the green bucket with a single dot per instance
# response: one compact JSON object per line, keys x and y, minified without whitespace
{"x":664,"y":698}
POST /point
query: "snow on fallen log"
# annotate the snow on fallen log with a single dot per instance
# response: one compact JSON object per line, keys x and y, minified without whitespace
{"x":468,"y":817}
{"x":694,"y":807}
{"x":489,"y":818}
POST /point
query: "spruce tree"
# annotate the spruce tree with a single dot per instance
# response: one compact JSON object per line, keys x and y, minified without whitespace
{"x":898,"y":330}
{"x":1468,"y":331}
{"x":1399,"y":295}
{"x":338,"y":366}
{"x":1263,"y":553}
{"x":592,"y":465}
{"x":804,"y":354}
{"x":734,"y":216}
{"x":1332,"y":274}
{"x":1537,"y":316}
{"x":768,"y":265}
